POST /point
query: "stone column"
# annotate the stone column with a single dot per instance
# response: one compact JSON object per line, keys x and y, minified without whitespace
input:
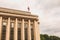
{"x":29,"y":30}
{"x":22,"y":30}
{"x":38,"y":32}
{"x":8,"y":29}
{"x":0,"y":27}
{"x":15,"y":29}
{"x":35,"y":30}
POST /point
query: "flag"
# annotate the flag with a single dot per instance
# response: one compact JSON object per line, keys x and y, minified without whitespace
{"x":28,"y":8}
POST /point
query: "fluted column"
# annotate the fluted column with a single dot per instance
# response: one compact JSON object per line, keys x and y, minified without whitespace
{"x":35,"y":30}
{"x":38,"y":32}
{"x":22,"y":30}
{"x":15,"y":30}
{"x":8,"y":29}
{"x":0,"y":26}
{"x":29,"y":30}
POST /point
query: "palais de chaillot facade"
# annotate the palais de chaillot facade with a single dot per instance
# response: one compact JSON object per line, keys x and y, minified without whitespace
{"x":18,"y":25}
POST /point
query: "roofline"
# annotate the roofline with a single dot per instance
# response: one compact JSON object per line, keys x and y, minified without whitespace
{"x":14,"y":11}
{"x":9,"y":10}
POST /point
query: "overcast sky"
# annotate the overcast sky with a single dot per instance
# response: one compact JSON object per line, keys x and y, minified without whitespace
{"x":47,"y":10}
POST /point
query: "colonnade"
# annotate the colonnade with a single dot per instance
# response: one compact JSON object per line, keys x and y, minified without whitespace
{"x":35,"y":28}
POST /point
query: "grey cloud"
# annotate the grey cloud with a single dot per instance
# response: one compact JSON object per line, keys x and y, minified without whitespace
{"x":55,"y":30}
{"x":48,"y":4}
{"x":50,"y":20}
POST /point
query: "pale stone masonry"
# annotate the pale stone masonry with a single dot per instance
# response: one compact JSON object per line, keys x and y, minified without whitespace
{"x":18,"y":25}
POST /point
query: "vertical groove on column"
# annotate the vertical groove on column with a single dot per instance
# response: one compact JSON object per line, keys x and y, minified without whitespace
{"x":8,"y":29}
{"x":22,"y":30}
{"x":0,"y":27}
{"x":15,"y":30}
{"x":35,"y":30}
{"x":29,"y":30}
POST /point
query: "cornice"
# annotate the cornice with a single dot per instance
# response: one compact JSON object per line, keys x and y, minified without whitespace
{"x":13,"y":11}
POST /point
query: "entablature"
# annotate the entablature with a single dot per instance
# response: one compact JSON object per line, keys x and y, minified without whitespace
{"x":18,"y":16}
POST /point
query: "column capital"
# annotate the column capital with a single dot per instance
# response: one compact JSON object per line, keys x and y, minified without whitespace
{"x":22,"y":19}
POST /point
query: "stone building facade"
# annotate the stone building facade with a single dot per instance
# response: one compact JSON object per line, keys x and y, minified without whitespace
{"x":18,"y":25}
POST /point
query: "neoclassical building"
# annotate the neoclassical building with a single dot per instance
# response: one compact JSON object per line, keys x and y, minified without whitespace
{"x":18,"y":25}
